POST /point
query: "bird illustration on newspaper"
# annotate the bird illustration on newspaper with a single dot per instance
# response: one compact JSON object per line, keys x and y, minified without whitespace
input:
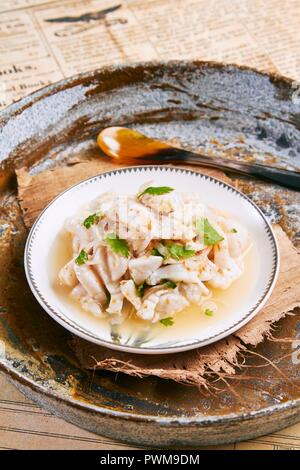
{"x":86,"y":21}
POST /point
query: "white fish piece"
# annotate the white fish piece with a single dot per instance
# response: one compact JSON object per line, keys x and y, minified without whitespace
{"x":128,"y":290}
{"x":195,"y":293}
{"x":135,"y":221}
{"x":67,"y":274}
{"x":202,"y":264}
{"x":237,"y":236}
{"x":150,"y":301}
{"x":103,"y":203}
{"x":143,"y":267}
{"x":173,"y":272}
{"x":175,"y":227}
{"x":81,"y":237}
{"x":117,"y":265}
{"x":116,"y":303}
{"x":163,"y":204}
{"x":78,"y":292}
{"x":90,"y":305}
{"x":229,"y":269}
{"x":171,"y":303}
{"x":90,"y":281}
{"x":101,"y":267}
{"x":140,"y":245}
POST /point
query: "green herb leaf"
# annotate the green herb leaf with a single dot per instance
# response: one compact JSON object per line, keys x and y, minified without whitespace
{"x":156,"y":191}
{"x":81,"y":258}
{"x":92,"y":219}
{"x":209,"y":234}
{"x":168,"y":321}
{"x":233,"y":230}
{"x":208,"y":312}
{"x":117,"y":245}
{"x":155,"y":252}
{"x":179,"y":251}
{"x":140,"y":289}
{"x":170,"y":284}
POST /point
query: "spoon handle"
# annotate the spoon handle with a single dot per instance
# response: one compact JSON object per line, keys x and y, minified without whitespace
{"x":290,"y":179}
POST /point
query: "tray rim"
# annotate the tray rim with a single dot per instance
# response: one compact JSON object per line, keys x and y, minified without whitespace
{"x":17,"y":107}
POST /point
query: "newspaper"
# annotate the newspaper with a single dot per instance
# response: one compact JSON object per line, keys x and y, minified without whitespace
{"x":42,"y":41}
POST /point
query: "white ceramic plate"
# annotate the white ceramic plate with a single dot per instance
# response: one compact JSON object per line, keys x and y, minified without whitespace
{"x":189,"y":331}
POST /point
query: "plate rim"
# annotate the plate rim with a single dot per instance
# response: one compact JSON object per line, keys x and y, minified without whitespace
{"x":87,"y":335}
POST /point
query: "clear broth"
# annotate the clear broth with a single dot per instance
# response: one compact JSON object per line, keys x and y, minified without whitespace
{"x":136,"y":332}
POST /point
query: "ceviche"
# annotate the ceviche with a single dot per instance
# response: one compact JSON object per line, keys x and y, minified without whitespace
{"x":157,"y":252}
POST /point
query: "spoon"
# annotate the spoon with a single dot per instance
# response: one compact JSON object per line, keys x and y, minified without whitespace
{"x":130,"y":146}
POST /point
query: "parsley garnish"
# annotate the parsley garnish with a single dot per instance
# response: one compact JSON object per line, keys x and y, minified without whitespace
{"x":81,"y":258}
{"x":208,"y":312}
{"x":156,"y":191}
{"x":179,"y":251}
{"x":233,"y":230}
{"x":170,"y":284}
{"x":168,"y":321}
{"x":92,"y":219}
{"x":210,"y":235}
{"x":140,"y":289}
{"x":117,"y":245}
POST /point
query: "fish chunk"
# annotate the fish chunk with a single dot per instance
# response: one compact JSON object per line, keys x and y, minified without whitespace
{"x":88,"y":303}
{"x":67,"y":275}
{"x":78,"y":292}
{"x":229,"y":269}
{"x":128,"y":289}
{"x":143,"y":267}
{"x":195,"y":293}
{"x":202,"y":264}
{"x":170,"y":303}
{"x":117,"y":265}
{"x":101,"y":267}
{"x":116,"y":303}
{"x":90,"y":281}
{"x":174,"y":272}
{"x":147,"y":309}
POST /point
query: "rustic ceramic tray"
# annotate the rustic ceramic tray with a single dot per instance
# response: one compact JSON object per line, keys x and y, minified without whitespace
{"x":233,"y":111}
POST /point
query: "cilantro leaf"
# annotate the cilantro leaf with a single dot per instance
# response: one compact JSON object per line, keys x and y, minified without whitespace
{"x":170,"y":284}
{"x":208,"y":312}
{"x":140,"y":289}
{"x":179,"y":251}
{"x":233,"y":230}
{"x":209,"y":234}
{"x":92,"y":219}
{"x":81,"y":258}
{"x":156,"y":191}
{"x":168,"y":321}
{"x":117,"y":245}
{"x":155,"y":252}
